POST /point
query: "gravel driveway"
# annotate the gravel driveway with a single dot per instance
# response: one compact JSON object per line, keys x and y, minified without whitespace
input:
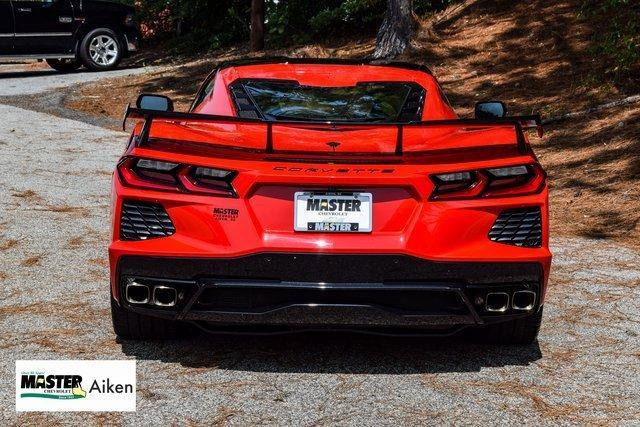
{"x":54,"y":232}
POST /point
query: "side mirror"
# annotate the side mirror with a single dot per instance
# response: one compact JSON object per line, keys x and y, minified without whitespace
{"x":490,"y":110}
{"x":154,"y":102}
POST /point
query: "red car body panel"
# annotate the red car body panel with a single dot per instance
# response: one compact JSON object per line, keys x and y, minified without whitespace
{"x":406,"y":219}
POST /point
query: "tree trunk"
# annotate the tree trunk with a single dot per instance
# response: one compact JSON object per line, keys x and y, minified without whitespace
{"x":396,"y":29}
{"x":257,"y":25}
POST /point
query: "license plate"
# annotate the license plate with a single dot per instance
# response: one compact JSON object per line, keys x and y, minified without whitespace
{"x":333,"y":212}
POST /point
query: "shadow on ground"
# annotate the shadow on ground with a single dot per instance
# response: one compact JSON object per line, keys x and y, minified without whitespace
{"x":332,"y":353}
{"x":20,"y":74}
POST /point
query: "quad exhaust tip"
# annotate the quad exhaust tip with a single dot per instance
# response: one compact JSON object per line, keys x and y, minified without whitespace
{"x":165,"y":296}
{"x":137,"y":293}
{"x":523,"y":300}
{"x":497,"y":302}
{"x":160,"y":296}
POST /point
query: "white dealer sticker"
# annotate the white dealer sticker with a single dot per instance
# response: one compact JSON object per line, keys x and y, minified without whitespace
{"x":75,"y":385}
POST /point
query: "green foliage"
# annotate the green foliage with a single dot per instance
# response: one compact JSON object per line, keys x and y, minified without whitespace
{"x":301,"y":21}
{"x":206,"y":24}
{"x":427,"y":7}
{"x":617,"y":33}
{"x":195,"y":24}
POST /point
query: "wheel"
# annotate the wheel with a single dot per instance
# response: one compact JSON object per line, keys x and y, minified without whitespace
{"x":100,"y":50}
{"x":523,"y":331}
{"x":133,"y":326}
{"x":64,"y":65}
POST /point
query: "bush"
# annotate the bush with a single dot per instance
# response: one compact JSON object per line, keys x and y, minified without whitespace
{"x":301,"y":21}
{"x":616,"y":34}
{"x":205,"y":24}
{"x":196,"y":24}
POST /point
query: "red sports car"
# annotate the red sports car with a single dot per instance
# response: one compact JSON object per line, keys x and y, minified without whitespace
{"x":322,"y":194}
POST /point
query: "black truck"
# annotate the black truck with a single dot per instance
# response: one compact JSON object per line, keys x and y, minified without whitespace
{"x":68,"y":33}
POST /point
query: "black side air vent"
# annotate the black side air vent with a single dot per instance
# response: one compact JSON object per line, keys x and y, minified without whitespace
{"x":520,"y":227}
{"x":245,"y":106}
{"x":412,"y":108}
{"x":142,"y":221}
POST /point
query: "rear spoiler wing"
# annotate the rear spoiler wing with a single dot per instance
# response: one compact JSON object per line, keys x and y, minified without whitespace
{"x":520,"y":124}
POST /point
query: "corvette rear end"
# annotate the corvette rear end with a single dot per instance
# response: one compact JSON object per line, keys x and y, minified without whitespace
{"x":376,"y":209}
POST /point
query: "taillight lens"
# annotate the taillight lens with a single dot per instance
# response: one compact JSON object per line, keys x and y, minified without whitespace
{"x":458,"y":185}
{"x":216,"y":182}
{"x":143,"y":173}
{"x":495,"y":182}
{"x":515,"y":181}
{"x":167,"y":176}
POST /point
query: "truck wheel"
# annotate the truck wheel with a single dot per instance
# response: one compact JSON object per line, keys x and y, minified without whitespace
{"x":64,"y":65}
{"x":523,"y":331}
{"x":100,"y":50}
{"x":132,"y":326}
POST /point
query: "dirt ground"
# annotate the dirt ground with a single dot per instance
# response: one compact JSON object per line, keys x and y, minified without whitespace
{"x":488,"y":50}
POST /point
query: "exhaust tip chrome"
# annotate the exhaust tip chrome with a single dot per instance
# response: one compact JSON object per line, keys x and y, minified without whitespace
{"x":523,"y":300}
{"x":497,"y":302}
{"x":165,"y":296}
{"x":137,"y":293}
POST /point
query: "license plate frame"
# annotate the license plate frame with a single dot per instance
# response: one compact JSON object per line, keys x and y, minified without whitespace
{"x":346,"y":218}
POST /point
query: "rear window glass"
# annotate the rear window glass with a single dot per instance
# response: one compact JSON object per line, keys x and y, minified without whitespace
{"x":375,"y":102}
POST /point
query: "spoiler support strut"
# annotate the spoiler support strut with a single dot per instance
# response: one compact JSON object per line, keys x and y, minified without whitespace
{"x":269,"y":148}
{"x":399,"y":140}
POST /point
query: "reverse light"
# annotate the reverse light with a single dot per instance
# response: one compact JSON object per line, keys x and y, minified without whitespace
{"x":494,"y":182}
{"x":454,"y":177}
{"x":166,"y":176}
{"x":155,"y":165}
{"x":508,"y":172}
{"x":210,"y":173}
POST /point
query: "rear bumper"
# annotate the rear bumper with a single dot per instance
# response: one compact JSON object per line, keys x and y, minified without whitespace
{"x":323,"y":290}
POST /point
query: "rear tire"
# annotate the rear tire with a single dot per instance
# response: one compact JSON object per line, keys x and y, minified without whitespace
{"x":523,"y":331}
{"x":101,"y":50}
{"x":132,"y":326}
{"x":64,"y":65}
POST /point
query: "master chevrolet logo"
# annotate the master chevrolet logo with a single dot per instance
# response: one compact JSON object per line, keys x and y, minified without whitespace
{"x":52,"y":386}
{"x":75,"y":385}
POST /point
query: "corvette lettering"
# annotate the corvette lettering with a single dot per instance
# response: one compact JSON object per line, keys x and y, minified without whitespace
{"x":334,"y":170}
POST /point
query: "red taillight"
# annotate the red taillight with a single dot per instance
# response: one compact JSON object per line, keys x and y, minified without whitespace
{"x":166,"y":176}
{"x":141,"y":173}
{"x":528,"y":180}
{"x":216,"y":182}
{"x":494,"y":182}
